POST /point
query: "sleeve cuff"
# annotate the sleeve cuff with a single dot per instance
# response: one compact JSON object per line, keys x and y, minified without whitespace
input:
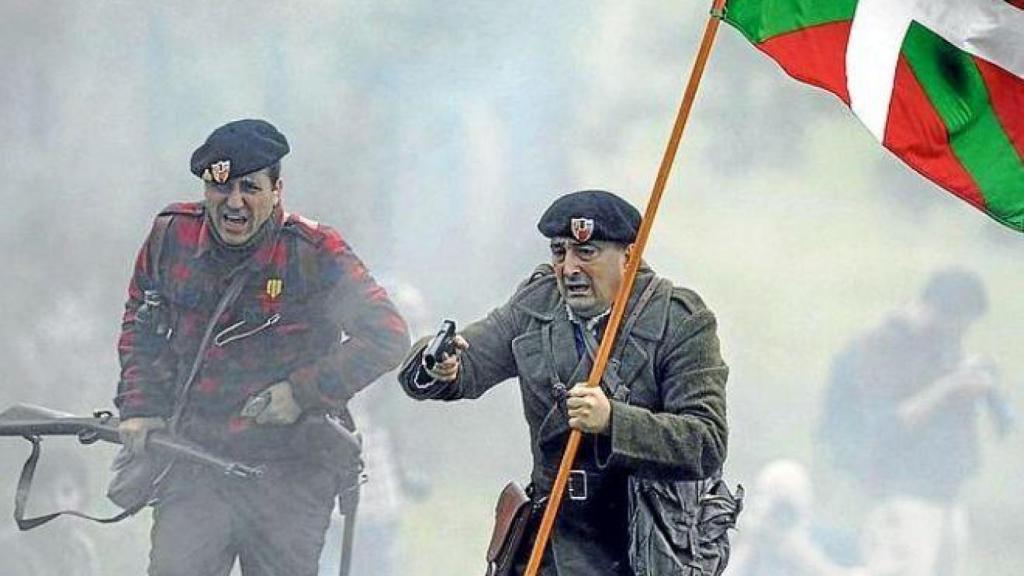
{"x":617,"y":444}
{"x":423,"y":380}
{"x":132,"y":405}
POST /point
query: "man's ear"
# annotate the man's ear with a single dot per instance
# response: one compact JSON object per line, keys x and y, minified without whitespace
{"x":278,"y":191}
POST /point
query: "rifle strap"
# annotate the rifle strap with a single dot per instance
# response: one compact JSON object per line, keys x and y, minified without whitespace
{"x":226,"y":299}
{"x":28,"y":471}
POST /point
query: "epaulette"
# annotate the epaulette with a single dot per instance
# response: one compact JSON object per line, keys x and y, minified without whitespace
{"x":183,"y":208}
{"x":537,"y":294}
{"x":308,"y":230}
{"x":539,"y":272}
{"x":161,"y":224}
{"x":688,"y":298}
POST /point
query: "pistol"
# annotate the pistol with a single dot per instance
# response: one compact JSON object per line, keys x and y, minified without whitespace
{"x":441,"y":346}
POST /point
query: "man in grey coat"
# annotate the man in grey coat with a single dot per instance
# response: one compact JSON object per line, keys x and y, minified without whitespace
{"x":658,"y":419}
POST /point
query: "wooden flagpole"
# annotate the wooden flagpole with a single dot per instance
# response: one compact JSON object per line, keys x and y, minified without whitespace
{"x":619,"y":307}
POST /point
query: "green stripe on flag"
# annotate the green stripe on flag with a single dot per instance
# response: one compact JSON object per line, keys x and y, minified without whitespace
{"x":760,"y":20}
{"x":956,"y":88}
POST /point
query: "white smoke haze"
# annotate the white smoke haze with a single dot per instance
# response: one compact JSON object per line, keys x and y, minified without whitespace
{"x":433,"y":135}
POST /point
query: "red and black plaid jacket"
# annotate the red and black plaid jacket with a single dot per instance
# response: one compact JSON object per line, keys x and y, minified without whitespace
{"x":309,"y":313}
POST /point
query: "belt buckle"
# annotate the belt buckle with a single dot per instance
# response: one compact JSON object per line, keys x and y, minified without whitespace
{"x":577,"y":485}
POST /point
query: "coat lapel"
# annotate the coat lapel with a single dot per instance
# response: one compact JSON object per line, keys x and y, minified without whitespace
{"x":571,"y":367}
{"x":560,"y":349}
{"x":624,"y":368}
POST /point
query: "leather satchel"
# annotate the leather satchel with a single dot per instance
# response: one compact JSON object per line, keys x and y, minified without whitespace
{"x":680,"y":528}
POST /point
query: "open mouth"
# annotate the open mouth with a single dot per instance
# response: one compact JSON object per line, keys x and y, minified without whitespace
{"x":234,"y":222}
{"x":577,"y":290}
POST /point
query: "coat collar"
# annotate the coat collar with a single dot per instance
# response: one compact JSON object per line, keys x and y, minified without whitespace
{"x":262,"y":253}
{"x":540,"y":299}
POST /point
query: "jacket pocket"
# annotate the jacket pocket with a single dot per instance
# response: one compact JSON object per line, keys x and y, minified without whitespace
{"x":531,"y":362}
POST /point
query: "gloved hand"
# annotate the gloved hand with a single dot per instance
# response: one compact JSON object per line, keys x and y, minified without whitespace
{"x":134,"y":432}
{"x":282,"y":408}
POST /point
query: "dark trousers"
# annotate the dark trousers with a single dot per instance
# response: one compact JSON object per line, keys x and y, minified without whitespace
{"x":274,"y":524}
{"x":579,"y":552}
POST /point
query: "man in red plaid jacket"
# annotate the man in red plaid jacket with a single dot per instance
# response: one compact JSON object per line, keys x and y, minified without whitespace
{"x":309,"y":328}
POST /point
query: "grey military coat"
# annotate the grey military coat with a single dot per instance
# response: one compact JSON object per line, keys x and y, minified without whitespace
{"x":666,"y":379}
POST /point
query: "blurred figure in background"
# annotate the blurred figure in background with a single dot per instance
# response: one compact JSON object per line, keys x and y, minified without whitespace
{"x":778,"y":535}
{"x":901,"y":418}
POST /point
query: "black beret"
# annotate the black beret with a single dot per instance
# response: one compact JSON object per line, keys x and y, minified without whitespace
{"x":591,"y":215}
{"x":238,"y":148}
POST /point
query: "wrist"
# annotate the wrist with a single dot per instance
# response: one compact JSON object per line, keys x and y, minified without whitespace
{"x":305,"y":386}
{"x":606,"y":430}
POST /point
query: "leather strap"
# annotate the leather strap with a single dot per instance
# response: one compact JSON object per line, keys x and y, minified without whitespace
{"x":617,"y":388}
{"x":232,"y":292}
{"x":28,"y":471}
{"x":156,"y":244}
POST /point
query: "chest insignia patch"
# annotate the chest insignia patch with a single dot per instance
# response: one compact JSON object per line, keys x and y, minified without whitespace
{"x":274,"y":287}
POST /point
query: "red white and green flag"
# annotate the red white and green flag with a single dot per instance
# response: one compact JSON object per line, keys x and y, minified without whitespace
{"x":940,"y":83}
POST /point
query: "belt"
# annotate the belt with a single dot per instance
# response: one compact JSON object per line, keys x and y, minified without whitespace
{"x":577,"y":487}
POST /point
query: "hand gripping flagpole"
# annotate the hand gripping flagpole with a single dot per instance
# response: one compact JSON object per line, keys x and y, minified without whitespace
{"x":619,"y":307}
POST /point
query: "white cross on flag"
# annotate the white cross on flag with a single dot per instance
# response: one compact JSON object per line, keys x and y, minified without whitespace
{"x":940,"y":83}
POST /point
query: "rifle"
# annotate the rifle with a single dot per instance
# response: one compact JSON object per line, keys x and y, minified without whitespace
{"x":35,"y":422}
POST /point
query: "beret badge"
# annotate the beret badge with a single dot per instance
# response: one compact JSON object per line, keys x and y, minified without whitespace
{"x":582,"y":228}
{"x":220,"y":171}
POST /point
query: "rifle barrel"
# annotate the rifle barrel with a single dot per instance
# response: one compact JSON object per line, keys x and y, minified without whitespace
{"x":27,"y":420}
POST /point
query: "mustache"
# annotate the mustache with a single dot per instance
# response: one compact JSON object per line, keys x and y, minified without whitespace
{"x":225,"y":211}
{"x":576,"y":281}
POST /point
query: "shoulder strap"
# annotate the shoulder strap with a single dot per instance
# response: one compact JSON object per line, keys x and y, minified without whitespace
{"x":156,"y":243}
{"x":226,"y":299}
{"x":634,"y":315}
{"x":619,"y":389}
